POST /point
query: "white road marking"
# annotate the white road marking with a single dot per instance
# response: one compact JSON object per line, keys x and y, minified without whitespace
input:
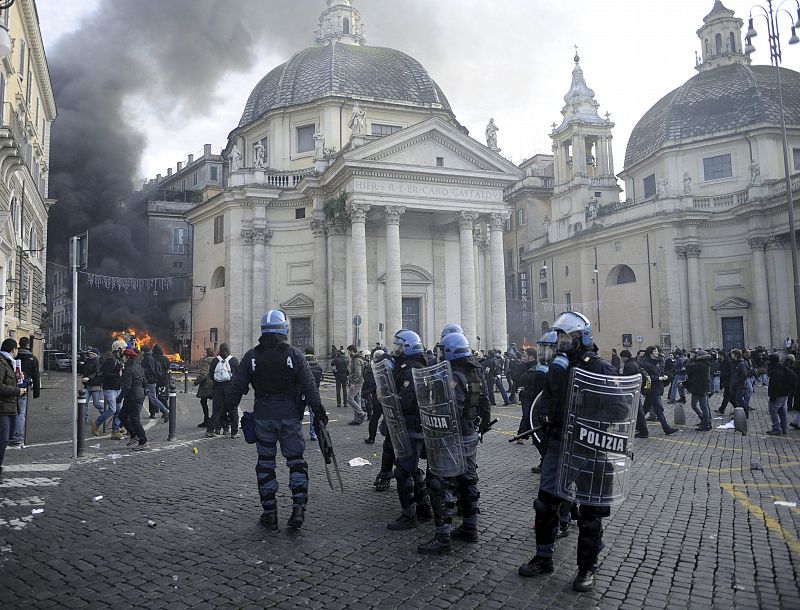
{"x":29,"y":482}
{"x":29,"y":501}
{"x":16,"y":523}
{"x":36,"y":467}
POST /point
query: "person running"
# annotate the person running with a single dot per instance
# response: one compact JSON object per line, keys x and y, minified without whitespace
{"x":131,"y":396}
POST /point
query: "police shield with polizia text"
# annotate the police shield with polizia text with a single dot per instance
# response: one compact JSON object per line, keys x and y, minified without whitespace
{"x":454,"y":408}
{"x":591,"y":413}
{"x":280,"y":376}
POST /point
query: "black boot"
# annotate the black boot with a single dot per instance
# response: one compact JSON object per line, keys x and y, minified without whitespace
{"x":467,"y":533}
{"x":584,"y":581}
{"x":269,"y":520}
{"x":298,"y":516}
{"x":438,"y":545}
{"x":537,"y":566}
{"x":424,"y":512}
{"x":382,"y":482}
{"x":403,"y":523}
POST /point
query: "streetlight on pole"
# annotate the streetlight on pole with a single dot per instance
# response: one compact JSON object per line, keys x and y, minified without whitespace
{"x":771,"y":16}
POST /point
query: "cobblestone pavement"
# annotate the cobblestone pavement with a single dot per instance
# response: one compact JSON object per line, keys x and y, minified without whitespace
{"x":699,"y":529}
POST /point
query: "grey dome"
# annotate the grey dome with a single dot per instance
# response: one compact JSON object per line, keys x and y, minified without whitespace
{"x":347,"y":71}
{"x":725,"y":99}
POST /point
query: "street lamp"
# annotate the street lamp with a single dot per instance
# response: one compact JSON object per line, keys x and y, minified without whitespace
{"x":773,"y":35}
{"x":5,"y":39}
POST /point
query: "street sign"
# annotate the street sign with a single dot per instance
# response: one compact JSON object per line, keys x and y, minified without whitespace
{"x":356,"y":320}
{"x":79,"y":256}
{"x":639,"y":338}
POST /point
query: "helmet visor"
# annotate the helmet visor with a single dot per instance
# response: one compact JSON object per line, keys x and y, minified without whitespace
{"x":546,"y":352}
{"x":397,"y":348}
{"x":565,"y":341}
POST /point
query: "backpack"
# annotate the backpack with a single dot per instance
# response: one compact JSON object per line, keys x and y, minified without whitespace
{"x":223,"y":373}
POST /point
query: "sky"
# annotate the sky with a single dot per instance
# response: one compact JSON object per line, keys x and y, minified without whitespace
{"x":506,"y":59}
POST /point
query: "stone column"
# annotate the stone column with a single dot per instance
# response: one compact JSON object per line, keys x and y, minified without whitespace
{"x":761,"y":300}
{"x":499,"y":331}
{"x":358,"y":257}
{"x":339,"y":329}
{"x":394,"y":287}
{"x":695,"y":297}
{"x":610,"y":145}
{"x":683,"y":278}
{"x":244,"y":334}
{"x":320,"y":322}
{"x":261,"y":237}
{"x":479,"y":304}
{"x":466,"y":222}
{"x":578,"y":153}
{"x":486,"y":338}
{"x":439,"y":281}
{"x":779,"y":291}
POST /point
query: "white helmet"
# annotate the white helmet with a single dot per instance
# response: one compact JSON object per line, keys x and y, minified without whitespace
{"x":118,"y":345}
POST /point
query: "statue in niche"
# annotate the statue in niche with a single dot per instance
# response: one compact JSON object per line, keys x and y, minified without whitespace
{"x":319,"y":145}
{"x":357,"y":120}
{"x":755,"y":173}
{"x":687,"y":183}
{"x":661,"y":190}
{"x":259,"y":156}
{"x":491,"y":134}
{"x":235,"y":159}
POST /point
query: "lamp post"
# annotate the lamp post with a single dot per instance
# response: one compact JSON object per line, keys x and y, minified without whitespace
{"x":771,"y":16}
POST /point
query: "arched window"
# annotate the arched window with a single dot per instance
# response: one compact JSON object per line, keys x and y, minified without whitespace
{"x":13,"y":210}
{"x":346,"y":26}
{"x":578,"y":227}
{"x":545,"y":327}
{"x":33,"y":242}
{"x":520,"y":218}
{"x":718,"y":42}
{"x":218,"y":278}
{"x":621,"y":274}
{"x":732,"y":43}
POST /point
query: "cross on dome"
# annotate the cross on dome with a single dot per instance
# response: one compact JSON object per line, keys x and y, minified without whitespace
{"x":340,"y":22}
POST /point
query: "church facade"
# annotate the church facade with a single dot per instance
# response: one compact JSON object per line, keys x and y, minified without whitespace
{"x":697,"y":255}
{"x":355,"y":202}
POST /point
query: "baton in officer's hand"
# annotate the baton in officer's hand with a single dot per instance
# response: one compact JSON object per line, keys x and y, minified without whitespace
{"x":485,"y":429}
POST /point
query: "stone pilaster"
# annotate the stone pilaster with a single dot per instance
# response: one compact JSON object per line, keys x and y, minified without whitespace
{"x":696,"y":325}
{"x":466,"y":223}
{"x":439,"y":282}
{"x":394,"y":287}
{"x":339,"y":324}
{"x":242,"y":333}
{"x":486,"y":338}
{"x":499,"y":328}
{"x":320,"y":322}
{"x":761,"y":300}
{"x":683,"y":278}
{"x":779,"y":287}
{"x":479,"y":303}
{"x":358,"y":258}
{"x":260,"y":238}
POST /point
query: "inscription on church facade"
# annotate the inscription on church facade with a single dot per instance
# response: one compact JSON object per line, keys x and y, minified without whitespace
{"x":427,"y":190}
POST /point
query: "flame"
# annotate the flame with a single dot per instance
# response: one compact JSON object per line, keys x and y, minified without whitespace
{"x":174,"y":357}
{"x":137,"y":338}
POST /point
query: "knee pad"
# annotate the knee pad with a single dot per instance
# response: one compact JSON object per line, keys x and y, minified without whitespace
{"x":546,"y":502}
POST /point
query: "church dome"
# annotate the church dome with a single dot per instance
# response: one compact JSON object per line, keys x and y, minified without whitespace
{"x":348,"y":71}
{"x":725,"y":99}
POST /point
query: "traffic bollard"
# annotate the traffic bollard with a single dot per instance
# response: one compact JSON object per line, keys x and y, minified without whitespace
{"x":81,"y":420}
{"x":186,"y":382}
{"x":173,"y":412}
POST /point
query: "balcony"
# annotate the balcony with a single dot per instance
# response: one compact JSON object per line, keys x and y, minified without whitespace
{"x":255,"y":176}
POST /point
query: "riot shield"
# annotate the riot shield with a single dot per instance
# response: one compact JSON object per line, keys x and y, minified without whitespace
{"x":392,"y":413}
{"x":440,"y":421}
{"x":597,"y":436}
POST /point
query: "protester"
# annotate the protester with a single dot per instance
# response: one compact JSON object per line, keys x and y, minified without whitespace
{"x":355,"y":379}
{"x":93,"y":381}
{"x":341,"y":366}
{"x":9,"y":394}
{"x":131,"y":395}
{"x":30,"y":373}
{"x":153,"y":372}
{"x":782,"y":381}
{"x":111,"y":371}
{"x":205,"y":386}
{"x":224,"y":369}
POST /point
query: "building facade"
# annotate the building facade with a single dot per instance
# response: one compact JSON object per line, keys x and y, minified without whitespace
{"x":28,"y":110}
{"x":697,"y":254}
{"x":356,"y":202}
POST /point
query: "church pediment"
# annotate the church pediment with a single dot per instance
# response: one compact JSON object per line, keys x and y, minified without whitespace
{"x":731,"y":303}
{"x":298,"y":301}
{"x":422,"y":144}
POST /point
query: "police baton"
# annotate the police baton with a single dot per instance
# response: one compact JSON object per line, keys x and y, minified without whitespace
{"x":488,"y":428}
{"x":525,"y":434}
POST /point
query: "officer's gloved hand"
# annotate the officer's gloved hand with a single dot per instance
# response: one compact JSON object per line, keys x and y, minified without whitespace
{"x":322,"y":418}
{"x":484,"y":426}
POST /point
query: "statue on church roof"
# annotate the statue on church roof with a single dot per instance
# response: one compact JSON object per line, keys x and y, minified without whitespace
{"x":319,"y":145}
{"x":755,"y":173}
{"x":491,"y":135}
{"x":358,"y":120}
{"x":258,"y":154}
{"x":687,"y":183}
{"x":235,"y":159}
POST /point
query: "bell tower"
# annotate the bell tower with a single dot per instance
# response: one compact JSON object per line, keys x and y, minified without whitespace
{"x":583,"y":169}
{"x":720,"y":39}
{"x":340,"y":22}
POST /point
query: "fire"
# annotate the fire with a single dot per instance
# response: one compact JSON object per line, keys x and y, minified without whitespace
{"x":137,"y":338}
{"x":174,"y":357}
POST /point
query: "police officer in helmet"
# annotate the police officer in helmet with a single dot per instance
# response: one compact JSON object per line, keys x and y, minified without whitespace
{"x":576,"y":349}
{"x":474,"y":410}
{"x":280,"y":375}
{"x":408,"y":353}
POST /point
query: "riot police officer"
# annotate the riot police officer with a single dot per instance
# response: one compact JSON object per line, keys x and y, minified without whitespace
{"x":534,"y":384}
{"x":474,"y":413}
{"x":576,"y":347}
{"x":408,"y":353}
{"x":280,"y":376}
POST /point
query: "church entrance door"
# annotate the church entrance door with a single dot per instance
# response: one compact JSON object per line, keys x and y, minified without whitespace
{"x":732,"y":333}
{"x":411,"y":314}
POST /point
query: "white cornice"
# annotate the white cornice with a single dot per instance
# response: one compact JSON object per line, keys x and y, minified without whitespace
{"x":34,"y":34}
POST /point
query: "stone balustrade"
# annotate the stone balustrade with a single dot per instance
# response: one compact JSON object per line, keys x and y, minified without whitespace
{"x":264,"y":176}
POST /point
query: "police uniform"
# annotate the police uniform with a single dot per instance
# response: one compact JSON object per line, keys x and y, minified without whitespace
{"x":409,"y":478}
{"x":547,"y":505}
{"x":280,"y":375}
{"x":473,"y":406}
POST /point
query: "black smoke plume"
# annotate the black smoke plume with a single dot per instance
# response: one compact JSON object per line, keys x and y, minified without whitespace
{"x":169,"y":55}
